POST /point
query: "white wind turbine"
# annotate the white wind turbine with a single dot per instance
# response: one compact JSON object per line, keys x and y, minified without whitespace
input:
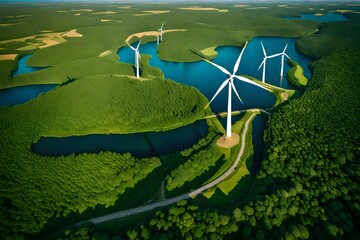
{"x":161,"y":33}
{"x":137,"y":57}
{"x":230,"y":83}
{"x":283,"y":54}
{"x":263,"y":63}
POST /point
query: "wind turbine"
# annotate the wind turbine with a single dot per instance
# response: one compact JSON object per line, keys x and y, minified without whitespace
{"x":231,"y":86}
{"x":137,"y":57}
{"x":263,"y":63}
{"x":161,"y":33}
{"x":283,"y":54}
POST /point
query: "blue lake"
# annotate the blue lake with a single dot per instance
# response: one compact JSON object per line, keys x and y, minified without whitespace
{"x":201,"y":75}
{"x":138,"y":144}
{"x":17,"y":95}
{"x":328,"y":17}
{"x":22,"y":94}
{"x":23,"y":68}
{"x":207,"y":78}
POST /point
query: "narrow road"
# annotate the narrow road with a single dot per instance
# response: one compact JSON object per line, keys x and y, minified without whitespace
{"x":132,"y":211}
{"x":181,"y":197}
{"x":224,"y":114}
{"x":232,"y":168}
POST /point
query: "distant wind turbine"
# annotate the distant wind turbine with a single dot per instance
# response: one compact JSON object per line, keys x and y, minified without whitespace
{"x":230,"y":83}
{"x":263,"y":63}
{"x":161,"y":33}
{"x":137,"y":57}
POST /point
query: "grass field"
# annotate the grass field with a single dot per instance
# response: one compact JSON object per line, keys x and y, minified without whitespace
{"x":99,"y":36}
{"x":296,"y":75}
{"x":105,"y":98}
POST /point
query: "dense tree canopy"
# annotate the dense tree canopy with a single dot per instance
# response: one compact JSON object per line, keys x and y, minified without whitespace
{"x":37,"y":188}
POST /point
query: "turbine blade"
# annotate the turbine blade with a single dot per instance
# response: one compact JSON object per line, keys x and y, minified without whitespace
{"x":275,"y":55}
{"x":263,"y":48}
{"x":138,"y":54}
{"x":131,"y":47}
{"x":287,"y":56}
{"x":219,"y":67}
{"x":262,"y":63}
{"x":237,"y":64}
{"x":237,"y":94}
{"x":138,"y":45}
{"x":244,"y":79}
{"x":285,"y":47}
{"x":218,"y":91}
{"x":162,"y":25}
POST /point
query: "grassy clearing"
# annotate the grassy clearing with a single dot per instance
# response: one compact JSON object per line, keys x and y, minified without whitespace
{"x":296,"y":75}
{"x":209,"y":52}
{"x":242,"y":169}
{"x":281,"y":94}
{"x":75,"y":69}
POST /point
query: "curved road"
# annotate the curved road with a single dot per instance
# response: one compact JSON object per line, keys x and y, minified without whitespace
{"x":232,"y":168}
{"x":170,"y":201}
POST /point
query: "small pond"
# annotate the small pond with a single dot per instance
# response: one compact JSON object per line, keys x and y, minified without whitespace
{"x":328,"y":17}
{"x":22,"y":94}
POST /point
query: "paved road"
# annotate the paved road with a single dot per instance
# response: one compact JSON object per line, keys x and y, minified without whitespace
{"x":138,"y":209}
{"x":232,"y":168}
{"x":181,"y":197}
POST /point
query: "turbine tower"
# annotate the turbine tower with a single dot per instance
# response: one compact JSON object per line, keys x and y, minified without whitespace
{"x":231,"y":86}
{"x":263,"y":63}
{"x":137,"y":57}
{"x":283,"y":54}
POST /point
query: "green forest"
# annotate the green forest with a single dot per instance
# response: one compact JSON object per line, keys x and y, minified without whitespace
{"x":40,"y":188}
{"x":308,"y":183}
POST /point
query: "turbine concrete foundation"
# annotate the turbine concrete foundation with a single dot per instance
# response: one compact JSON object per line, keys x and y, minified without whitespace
{"x":228,"y":142}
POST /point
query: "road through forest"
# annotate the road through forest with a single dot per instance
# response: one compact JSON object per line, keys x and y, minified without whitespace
{"x":170,"y":201}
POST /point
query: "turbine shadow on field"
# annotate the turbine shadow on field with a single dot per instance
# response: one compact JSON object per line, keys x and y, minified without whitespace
{"x":198,"y":54}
